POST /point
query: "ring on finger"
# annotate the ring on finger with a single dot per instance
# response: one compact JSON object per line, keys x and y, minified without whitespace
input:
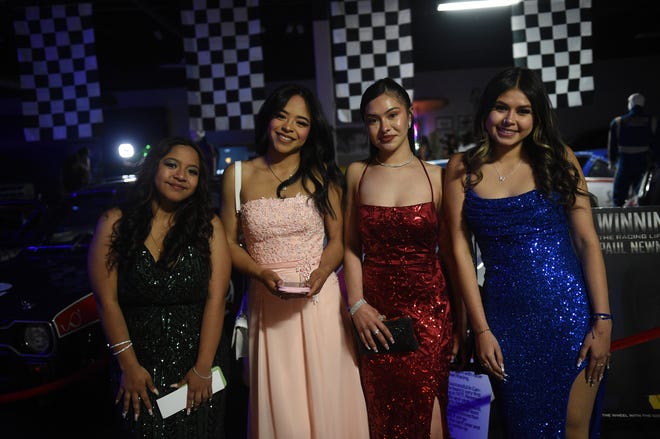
{"x":376,"y":331}
{"x":381,"y":317}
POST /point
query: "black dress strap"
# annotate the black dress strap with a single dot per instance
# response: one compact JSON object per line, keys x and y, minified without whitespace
{"x":427,"y":177}
{"x":357,"y":195}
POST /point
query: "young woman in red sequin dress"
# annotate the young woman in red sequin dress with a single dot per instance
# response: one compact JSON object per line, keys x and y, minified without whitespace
{"x":393,"y":269}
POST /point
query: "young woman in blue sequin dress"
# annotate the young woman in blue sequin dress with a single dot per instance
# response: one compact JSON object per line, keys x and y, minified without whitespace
{"x":543,"y":325}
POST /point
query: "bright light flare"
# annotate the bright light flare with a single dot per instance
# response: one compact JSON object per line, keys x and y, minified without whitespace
{"x":126,"y":150}
{"x":475,"y":4}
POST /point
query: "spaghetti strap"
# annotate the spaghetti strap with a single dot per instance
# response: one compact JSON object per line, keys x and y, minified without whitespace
{"x":357,"y":196}
{"x":427,"y":176}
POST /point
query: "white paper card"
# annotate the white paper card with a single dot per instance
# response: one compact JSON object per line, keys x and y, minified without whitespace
{"x":176,"y":401}
{"x":468,"y":411}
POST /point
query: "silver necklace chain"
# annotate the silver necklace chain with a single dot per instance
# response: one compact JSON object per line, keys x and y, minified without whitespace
{"x":398,"y":165}
{"x":278,"y":178}
{"x":500,"y":177}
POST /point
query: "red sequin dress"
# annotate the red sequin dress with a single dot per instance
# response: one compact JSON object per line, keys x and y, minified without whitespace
{"x":402,"y":276}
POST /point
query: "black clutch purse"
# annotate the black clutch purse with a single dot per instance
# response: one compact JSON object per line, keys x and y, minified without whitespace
{"x":404,"y":337}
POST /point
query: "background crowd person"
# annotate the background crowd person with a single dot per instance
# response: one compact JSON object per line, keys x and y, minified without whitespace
{"x":632,"y":142}
{"x":286,"y":205}
{"x":159,"y":266}
{"x":392,"y":218}
{"x":77,"y":170}
{"x":545,"y":312}
{"x":424,"y":151}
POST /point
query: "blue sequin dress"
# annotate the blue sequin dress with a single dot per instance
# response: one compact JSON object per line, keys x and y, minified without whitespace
{"x":536,"y":305}
{"x":163,"y":310}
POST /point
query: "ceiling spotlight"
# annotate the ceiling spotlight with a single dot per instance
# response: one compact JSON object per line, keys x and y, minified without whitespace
{"x":475,"y":4}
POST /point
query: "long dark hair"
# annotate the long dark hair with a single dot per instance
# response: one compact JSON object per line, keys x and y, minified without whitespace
{"x":392,"y":88}
{"x":317,"y":155}
{"x":192,"y":219}
{"x":545,"y":148}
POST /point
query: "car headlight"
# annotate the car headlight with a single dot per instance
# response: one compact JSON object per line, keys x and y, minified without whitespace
{"x":38,"y":339}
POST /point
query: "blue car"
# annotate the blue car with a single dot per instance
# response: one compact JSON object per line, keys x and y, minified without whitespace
{"x":598,"y":174}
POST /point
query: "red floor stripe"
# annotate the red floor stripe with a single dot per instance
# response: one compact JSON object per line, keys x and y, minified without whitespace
{"x":641,"y":337}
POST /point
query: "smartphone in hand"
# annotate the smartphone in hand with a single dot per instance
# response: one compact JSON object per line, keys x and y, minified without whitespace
{"x":294,"y":288}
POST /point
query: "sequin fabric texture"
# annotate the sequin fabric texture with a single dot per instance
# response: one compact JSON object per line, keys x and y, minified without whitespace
{"x":536,"y":305}
{"x":163,"y":311}
{"x":402,"y":276}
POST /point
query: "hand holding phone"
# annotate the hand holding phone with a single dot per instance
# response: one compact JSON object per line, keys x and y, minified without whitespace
{"x":294,"y":288}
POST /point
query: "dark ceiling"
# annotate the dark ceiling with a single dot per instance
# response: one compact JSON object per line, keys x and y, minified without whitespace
{"x":139,"y":42}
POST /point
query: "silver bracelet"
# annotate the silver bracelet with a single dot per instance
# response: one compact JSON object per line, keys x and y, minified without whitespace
{"x":202,"y":376}
{"x":123,"y":349}
{"x":357,"y":306}
{"x":119,"y":344}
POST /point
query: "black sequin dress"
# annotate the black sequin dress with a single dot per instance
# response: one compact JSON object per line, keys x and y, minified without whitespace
{"x":163,"y":311}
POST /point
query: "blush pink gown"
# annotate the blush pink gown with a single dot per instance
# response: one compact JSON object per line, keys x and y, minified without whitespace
{"x":304,"y":377}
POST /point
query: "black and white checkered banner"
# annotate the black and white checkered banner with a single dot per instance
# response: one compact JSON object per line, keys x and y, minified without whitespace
{"x":371,"y":40}
{"x":555,"y":38}
{"x":224,"y":64}
{"x":59,"y":75}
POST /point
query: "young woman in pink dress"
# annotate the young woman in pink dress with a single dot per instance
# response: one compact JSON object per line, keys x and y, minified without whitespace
{"x":283,"y":216}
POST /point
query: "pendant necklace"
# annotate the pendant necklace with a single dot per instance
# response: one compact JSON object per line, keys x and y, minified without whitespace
{"x":398,"y":165}
{"x":500,"y":177}
{"x":278,"y":178}
{"x":158,"y":249}
{"x":151,"y":235}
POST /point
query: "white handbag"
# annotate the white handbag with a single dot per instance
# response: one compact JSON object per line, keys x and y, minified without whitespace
{"x":239,"y":339}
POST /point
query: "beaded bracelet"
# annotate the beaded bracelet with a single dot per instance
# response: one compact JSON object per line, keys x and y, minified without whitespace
{"x":202,"y":376}
{"x":601,"y":316}
{"x":122,"y":349}
{"x":353,"y":309}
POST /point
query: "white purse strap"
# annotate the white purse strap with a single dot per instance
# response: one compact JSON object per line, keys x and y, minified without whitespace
{"x":237,"y":186}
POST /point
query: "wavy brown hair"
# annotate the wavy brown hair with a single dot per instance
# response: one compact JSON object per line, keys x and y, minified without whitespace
{"x":192,"y":219}
{"x":547,"y":152}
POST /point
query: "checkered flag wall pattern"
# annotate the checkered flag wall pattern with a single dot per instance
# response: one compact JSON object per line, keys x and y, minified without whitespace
{"x":554,"y":38}
{"x":371,"y":40}
{"x":58,"y":72}
{"x":224,"y":64}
